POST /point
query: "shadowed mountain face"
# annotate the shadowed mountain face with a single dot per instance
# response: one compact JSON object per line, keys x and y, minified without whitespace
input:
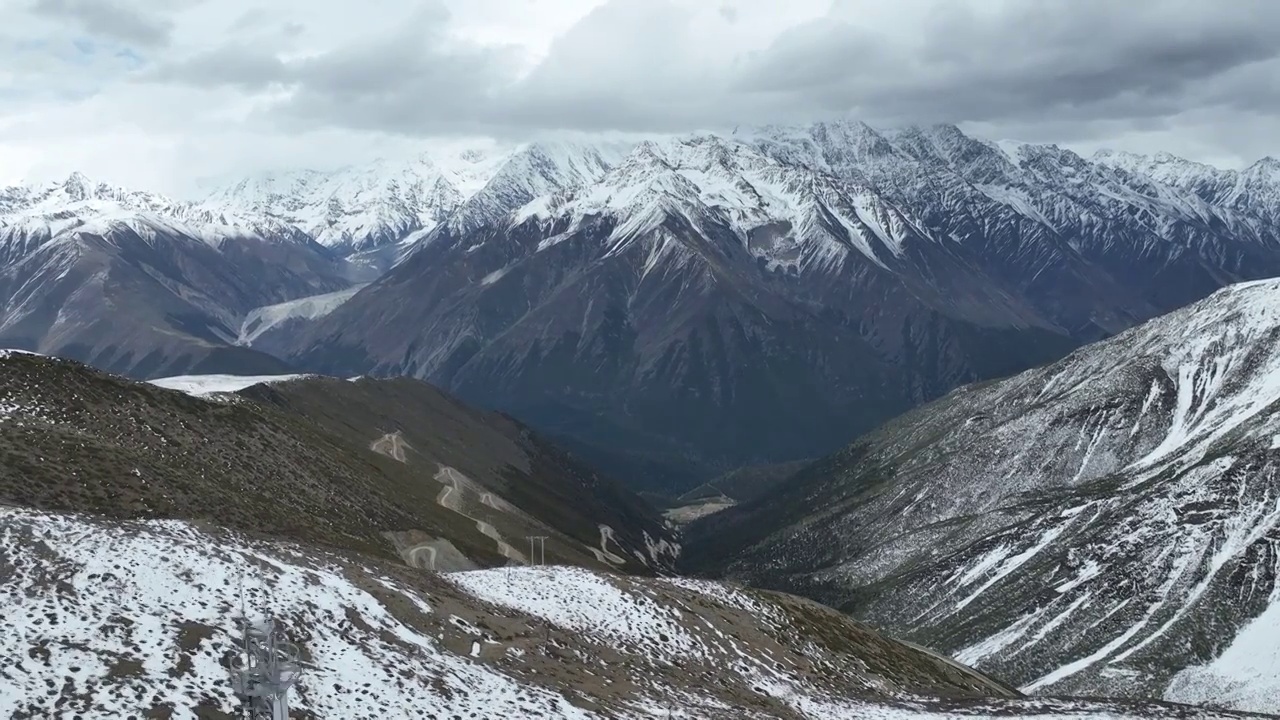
{"x":393,"y":468}
{"x":711,"y":302}
{"x":1104,"y":525}
{"x":597,"y":351}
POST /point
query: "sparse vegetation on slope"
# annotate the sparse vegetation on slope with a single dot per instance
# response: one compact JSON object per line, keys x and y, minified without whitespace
{"x":295,"y":460}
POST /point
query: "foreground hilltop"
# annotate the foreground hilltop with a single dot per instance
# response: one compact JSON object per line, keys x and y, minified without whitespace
{"x":112,"y":618}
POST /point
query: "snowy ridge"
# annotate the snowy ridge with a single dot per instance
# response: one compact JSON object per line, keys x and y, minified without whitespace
{"x":78,"y":205}
{"x":538,"y":173}
{"x":874,"y":179}
{"x":361,"y":208}
{"x":805,"y":196}
{"x":789,"y":216}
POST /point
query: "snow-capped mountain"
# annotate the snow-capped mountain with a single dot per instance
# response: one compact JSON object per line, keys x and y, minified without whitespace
{"x":1051,"y":220}
{"x":378,"y":213}
{"x":138,"y":283}
{"x":639,"y":280}
{"x":1255,"y":189}
{"x":1105,"y":525}
{"x":778,"y":290}
{"x":539,"y":170}
{"x":361,"y":208}
{"x":31,"y":214}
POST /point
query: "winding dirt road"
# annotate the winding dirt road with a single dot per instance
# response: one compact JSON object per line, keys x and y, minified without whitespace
{"x":450,"y":498}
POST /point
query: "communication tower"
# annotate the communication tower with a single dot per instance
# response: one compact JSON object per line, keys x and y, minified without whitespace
{"x":265,"y":669}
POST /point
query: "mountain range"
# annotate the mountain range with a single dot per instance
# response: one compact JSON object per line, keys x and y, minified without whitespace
{"x":1106,"y":525}
{"x":668,"y":309}
{"x":714,"y":301}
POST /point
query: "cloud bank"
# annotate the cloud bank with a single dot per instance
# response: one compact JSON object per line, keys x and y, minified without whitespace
{"x":197,"y":87}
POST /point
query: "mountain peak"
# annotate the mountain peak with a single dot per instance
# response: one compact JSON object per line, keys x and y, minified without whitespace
{"x":1267,"y":168}
{"x":77,"y":186}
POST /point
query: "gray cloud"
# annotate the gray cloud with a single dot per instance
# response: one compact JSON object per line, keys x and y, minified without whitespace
{"x":109,"y":18}
{"x":412,"y":81}
{"x":244,"y":66}
{"x":249,"y":19}
{"x":1089,"y":59}
{"x":1175,"y":75}
{"x":639,"y":65}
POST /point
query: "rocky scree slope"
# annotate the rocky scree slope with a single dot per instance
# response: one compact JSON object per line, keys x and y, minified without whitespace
{"x":1106,"y":525}
{"x":390,"y":468}
{"x":114,"y":617}
{"x":760,"y":297}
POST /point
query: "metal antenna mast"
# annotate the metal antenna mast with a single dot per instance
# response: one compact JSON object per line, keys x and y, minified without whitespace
{"x":263,"y":672}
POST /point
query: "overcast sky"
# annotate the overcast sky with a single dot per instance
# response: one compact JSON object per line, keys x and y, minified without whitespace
{"x":160,"y":93}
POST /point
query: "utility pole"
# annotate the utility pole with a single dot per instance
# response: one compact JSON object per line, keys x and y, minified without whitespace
{"x":263,"y":672}
{"x":542,"y":543}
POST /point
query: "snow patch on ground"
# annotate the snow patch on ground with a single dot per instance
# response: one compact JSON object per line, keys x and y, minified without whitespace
{"x":260,"y":320}
{"x":581,"y":601}
{"x":207,"y":385}
{"x":1246,"y":676}
{"x":92,"y":598}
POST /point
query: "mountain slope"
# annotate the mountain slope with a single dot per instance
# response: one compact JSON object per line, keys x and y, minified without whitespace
{"x":710,"y":302}
{"x":390,"y":468}
{"x":111,"y":618}
{"x":1104,"y":525}
{"x":264,"y":326}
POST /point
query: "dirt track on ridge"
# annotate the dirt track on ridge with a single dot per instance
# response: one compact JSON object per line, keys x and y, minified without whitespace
{"x":392,"y":445}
